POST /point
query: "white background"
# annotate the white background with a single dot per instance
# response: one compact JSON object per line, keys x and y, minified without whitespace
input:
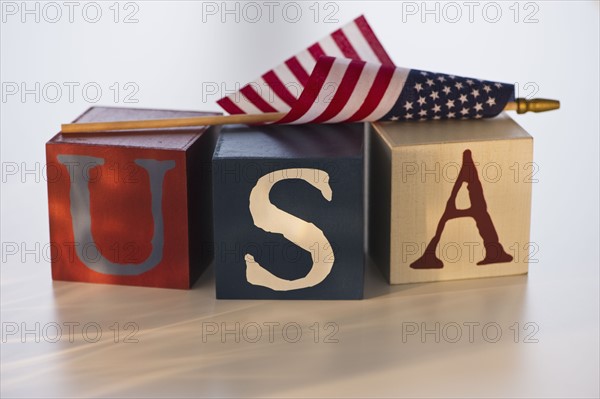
{"x":169,"y":55}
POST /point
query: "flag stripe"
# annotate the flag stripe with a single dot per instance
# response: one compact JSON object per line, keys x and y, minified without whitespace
{"x":360,"y":44}
{"x":228,"y":105}
{"x":367,"y":77}
{"x":269,"y":95}
{"x":326,"y":91}
{"x":312,"y":90}
{"x":368,"y":33}
{"x":279,"y":88}
{"x":307,"y":61}
{"x":316,"y":51}
{"x":344,"y":45}
{"x":343,"y":93}
{"x":380,"y":85}
{"x":330,"y":48}
{"x":297,"y":70}
{"x":246,"y":105}
{"x":256,"y":99}
{"x":391,"y":95}
{"x":288,"y":79}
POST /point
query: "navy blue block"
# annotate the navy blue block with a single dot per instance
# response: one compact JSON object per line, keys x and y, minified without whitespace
{"x":243,"y":156}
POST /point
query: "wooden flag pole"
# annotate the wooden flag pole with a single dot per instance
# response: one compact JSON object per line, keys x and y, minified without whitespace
{"x":521,"y":105}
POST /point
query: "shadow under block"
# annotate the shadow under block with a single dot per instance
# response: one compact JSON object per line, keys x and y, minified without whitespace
{"x":450,"y":199}
{"x":131,"y":208}
{"x":289,"y":215}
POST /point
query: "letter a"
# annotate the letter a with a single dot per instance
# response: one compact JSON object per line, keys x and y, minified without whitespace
{"x":82,"y":218}
{"x":273,"y":220}
{"x":494,"y":252}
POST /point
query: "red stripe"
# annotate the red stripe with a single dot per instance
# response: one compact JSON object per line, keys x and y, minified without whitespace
{"x":256,"y":99}
{"x":230,"y":106}
{"x":279,"y":88}
{"x":316,"y":51}
{"x":297,"y":70}
{"x":343,"y":93}
{"x":311,"y":90}
{"x":369,"y":35}
{"x":344,"y":45}
{"x":378,"y":89}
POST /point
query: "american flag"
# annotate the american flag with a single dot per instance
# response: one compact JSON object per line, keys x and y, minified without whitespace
{"x":349,"y":77}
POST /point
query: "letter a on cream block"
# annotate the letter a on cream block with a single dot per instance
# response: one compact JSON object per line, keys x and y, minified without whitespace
{"x":288,"y":212}
{"x":450,"y":199}
{"x":131,"y":208}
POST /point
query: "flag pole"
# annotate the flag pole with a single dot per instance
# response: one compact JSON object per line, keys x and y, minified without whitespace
{"x":520,"y":105}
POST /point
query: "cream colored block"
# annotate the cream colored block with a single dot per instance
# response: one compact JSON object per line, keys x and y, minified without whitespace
{"x":474,"y":175}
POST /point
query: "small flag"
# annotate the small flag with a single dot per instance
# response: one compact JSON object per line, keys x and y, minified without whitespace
{"x":349,"y":77}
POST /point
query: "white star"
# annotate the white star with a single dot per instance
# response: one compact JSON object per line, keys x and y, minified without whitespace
{"x":452,"y":76}
{"x":408,"y":116}
{"x":451,"y":115}
{"x":429,"y":82}
{"x":421,"y":101}
{"x":423,"y":73}
{"x":463,"y":98}
{"x":418,"y":87}
{"x":478,"y":107}
{"x":447,"y":90}
{"x":475,"y":93}
{"x":450,"y":104}
{"x":491,"y":101}
{"x":437,"y":108}
{"x":487,"y":88}
{"x":394,"y":118}
{"x":441,"y":79}
{"x":458,"y":85}
{"x":470,"y":82}
{"x":434,"y":95}
{"x":498,"y":85}
{"x":437,"y":117}
{"x":464,"y":111}
{"x":422,"y":119}
{"x":478,"y":116}
{"x":408,"y":105}
{"x":423,"y":112}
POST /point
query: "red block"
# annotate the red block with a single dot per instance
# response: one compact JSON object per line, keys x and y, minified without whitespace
{"x":131,"y":208}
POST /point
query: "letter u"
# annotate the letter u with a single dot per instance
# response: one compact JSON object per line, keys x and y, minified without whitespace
{"x":79,"y":167}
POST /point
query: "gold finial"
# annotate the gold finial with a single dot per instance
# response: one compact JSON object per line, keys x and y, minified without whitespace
{"x":535,"y":105}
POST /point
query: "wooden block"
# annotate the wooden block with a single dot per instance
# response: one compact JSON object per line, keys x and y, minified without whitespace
{"x":450,"y":199}
{"x":289,"y":212}
{"x":131,"y":208}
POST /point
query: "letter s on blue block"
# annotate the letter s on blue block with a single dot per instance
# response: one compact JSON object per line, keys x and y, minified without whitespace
{"x":79,"y":167}
{"x":306,"y":235}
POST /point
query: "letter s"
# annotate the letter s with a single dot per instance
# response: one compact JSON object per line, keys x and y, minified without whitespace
{"x":273,"y":220}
